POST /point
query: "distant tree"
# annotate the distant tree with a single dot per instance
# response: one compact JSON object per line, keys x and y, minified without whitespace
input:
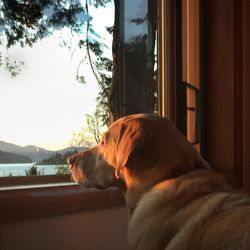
{"x":90,"y":134}
{"x":33,"y":170}
{"x":94,"y":123}
{"x":6,"y":157}
{"x":57,"y":158}
{"x":62,"y":170}
{"x":82,"y":139}
{"x":25,"y":22}
{"x":13,"y":67}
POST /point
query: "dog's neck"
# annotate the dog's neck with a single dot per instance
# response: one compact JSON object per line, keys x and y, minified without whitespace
{"x":136,"y":189}
{"x":136,"y":186}
{"x":133,"y":195}
{"x":138,"y":180}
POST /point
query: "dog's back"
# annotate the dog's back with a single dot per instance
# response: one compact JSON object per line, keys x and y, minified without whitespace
{"x":196,"y":211}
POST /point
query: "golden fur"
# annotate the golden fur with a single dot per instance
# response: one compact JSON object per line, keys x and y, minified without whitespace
{"x":175,"y":200}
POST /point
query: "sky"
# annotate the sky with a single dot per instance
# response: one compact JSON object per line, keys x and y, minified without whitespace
{"x":45,"y":105}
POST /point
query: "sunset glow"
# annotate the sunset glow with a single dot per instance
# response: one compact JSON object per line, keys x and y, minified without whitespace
{"x":45,"y":105}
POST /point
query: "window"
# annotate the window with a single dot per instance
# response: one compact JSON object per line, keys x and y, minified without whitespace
{"x":191,"y":67}
{"x":132,"y":89}
{"x":156,"y":64}
{"x":157,"y":46}
{"x":47,"y":94}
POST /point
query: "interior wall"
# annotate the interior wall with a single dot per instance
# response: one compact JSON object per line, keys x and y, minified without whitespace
{"x":227,"y":89}
{"x":219,"y":85}
{"x":95,"y":230}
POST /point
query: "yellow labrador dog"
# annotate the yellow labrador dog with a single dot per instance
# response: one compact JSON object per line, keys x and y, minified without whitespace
{"x":175,"y":201}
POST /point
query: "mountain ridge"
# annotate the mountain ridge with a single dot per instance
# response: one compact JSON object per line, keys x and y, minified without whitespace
{"x":36,"y":153}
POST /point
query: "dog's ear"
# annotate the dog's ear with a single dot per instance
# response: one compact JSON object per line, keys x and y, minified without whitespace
{"x":132,"y":149}
{"x":146,"y":143}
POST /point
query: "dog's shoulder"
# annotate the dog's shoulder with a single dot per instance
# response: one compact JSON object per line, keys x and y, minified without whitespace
{"x":182,"y":190}
{"x":172,"y":209}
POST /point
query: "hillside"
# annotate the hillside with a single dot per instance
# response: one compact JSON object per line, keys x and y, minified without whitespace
{"x":35,"y":153}
{"x":6,"y":157}
{"x":60,"y":157}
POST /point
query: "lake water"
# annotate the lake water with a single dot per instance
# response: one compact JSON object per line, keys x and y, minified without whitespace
{"x":19,"y":169}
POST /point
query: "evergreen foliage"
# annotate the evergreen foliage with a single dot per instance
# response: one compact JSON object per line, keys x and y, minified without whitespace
{"x":25,"y":22}
{"x":33,"y":170}
{"x":62,"y":170}
{"x":6,"y":157}
{"x":56,"y":159}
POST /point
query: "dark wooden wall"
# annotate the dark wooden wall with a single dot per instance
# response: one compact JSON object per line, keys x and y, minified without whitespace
{"x":227,"y":90}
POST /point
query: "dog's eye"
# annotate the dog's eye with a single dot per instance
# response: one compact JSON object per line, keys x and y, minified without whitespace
{"x":102,"y":142}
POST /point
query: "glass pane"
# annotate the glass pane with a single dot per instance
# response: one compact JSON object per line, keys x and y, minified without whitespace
{"x":83,"y":68}
{"x":55,"y":75}
{"x":139,"y":59}
{"x":137,"y":81}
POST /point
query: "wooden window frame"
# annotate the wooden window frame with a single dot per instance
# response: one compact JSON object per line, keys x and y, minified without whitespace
{"x":168,"y":58}
{"x":44,"y":201}
{"x":30,"y":203}
{"x":26,"y":201}
{"x":172,"y":94}
{"x":29,"y":180}
{"x":26,"y":197}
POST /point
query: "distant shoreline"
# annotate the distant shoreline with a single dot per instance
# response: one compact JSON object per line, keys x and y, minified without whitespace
{"x":18,"y":169}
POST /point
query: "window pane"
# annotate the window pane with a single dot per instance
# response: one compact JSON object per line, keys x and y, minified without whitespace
{"x":103,"y":65}
{"x":139,"y":59}
{"x":135,"y":80}
{"x":45,"y":102}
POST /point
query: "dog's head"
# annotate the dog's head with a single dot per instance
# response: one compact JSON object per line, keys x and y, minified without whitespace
{"x":91,"y":170}
{"x":136,"y":148}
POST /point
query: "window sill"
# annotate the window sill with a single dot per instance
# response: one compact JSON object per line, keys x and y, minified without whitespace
{"x":33,"y":186}
{"x":26,"y":180}
{"x":19,"y":204}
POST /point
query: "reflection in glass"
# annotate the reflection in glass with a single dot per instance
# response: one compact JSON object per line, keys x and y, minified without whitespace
{"x":134,"y":79}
